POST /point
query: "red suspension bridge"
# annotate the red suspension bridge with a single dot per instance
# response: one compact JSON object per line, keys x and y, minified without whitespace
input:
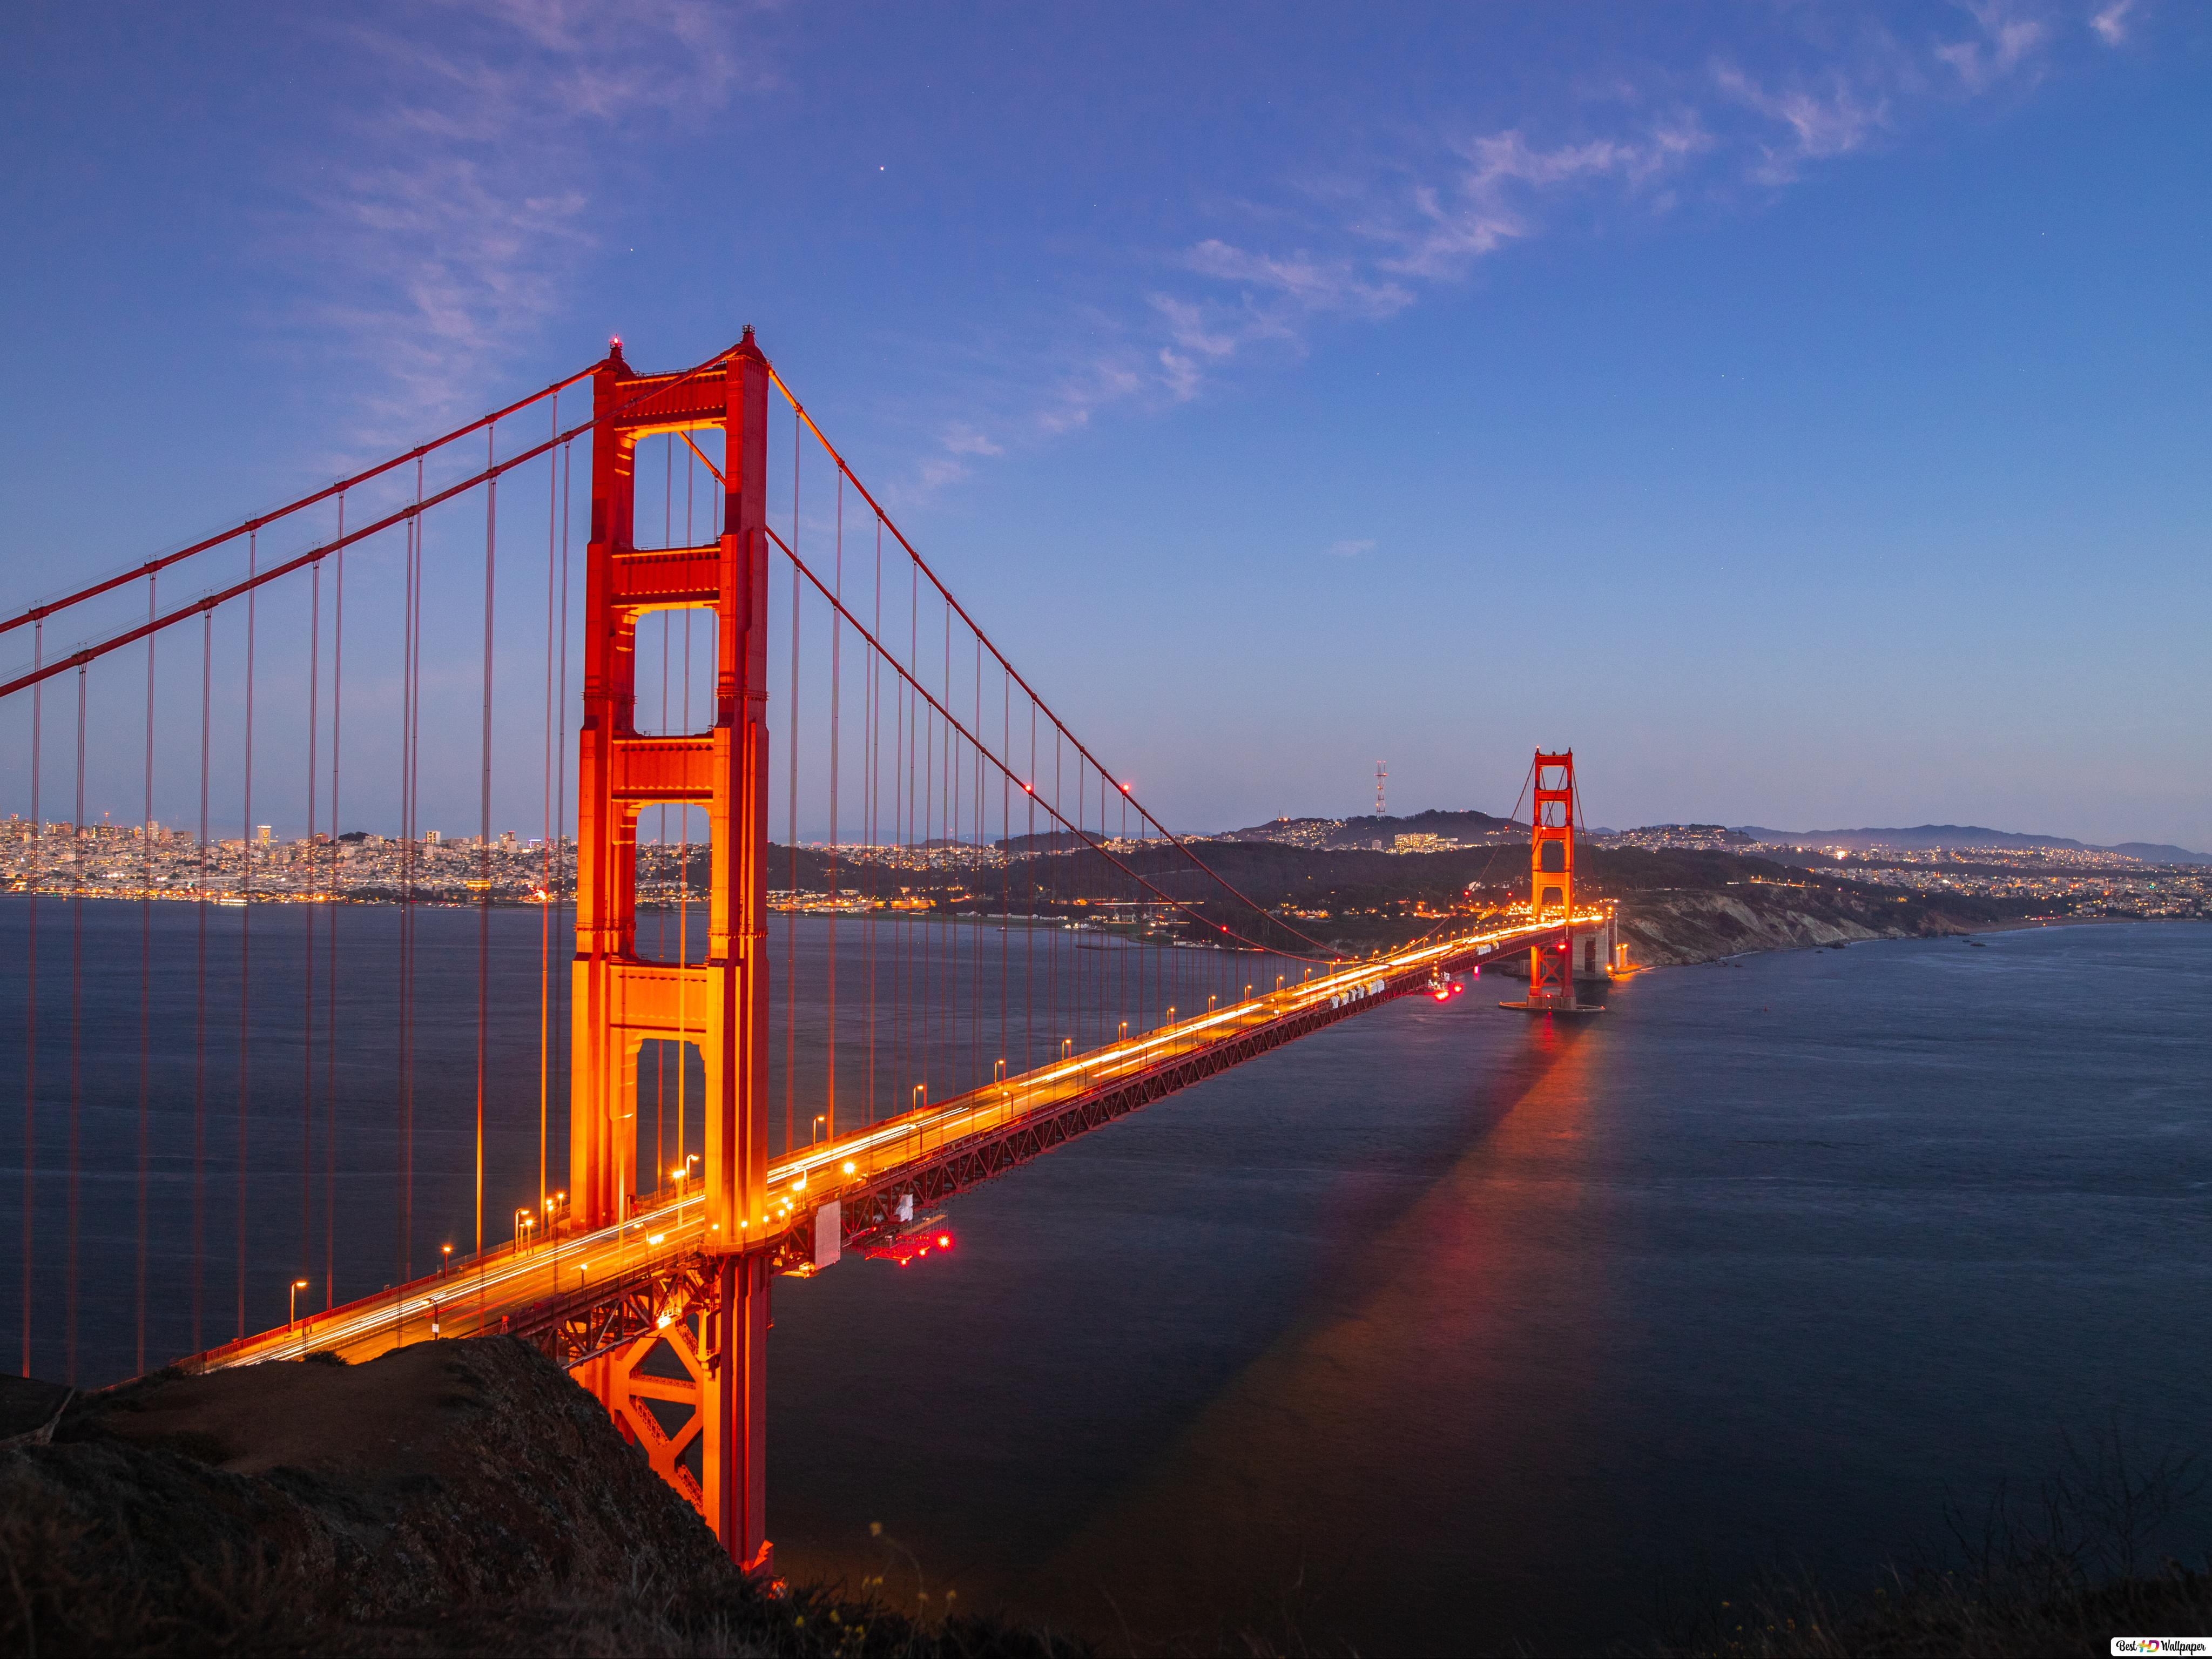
{"x":759,"y":1055}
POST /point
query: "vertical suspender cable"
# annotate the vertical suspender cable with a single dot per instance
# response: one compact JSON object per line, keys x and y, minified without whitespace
{"x":31,"y":1000}
{"x":409,"y":849}
{"x":199,"y":1025}
{"x":483,"y":839}
{"x":915,"y":1067}
{"x":933,"y":822}
{"x":791,"y":831}
{"x":145,"y":991}
{"x":307,"y":974}
{"x":1029,"y":933}
{"x":837,"y":644}
{"x":245,"y":934}
{"x":331,"y":977}
{"x":940,"y":991}
{"x":1005,"y":860}
{"x":77,"y":1028}
{"x":975,"y":947}
{"x":546,"y":841}
{"x":900,"y":1090}
{"x":561,"y":715}
{"x":1060,"y":898}
{"x":948,"y":822}
{"x":950,"y":833}
{"x":875,"y":804}
{"x":406,"y":891}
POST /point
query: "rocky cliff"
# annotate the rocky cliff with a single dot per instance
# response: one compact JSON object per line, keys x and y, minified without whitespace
{"x":449,"y":1497}
{"x":1667,"y":929}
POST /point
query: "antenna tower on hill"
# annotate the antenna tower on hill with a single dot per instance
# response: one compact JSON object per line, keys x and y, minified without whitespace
{"x":1379,"y":776}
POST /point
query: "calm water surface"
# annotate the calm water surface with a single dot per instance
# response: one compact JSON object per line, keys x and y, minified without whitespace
{"x":1441,"y":1328}
{"x":1446,"y":1326}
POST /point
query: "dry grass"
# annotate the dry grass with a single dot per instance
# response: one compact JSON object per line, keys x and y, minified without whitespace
{"x":51,"y":1609}
{"x":2060,"y":1569}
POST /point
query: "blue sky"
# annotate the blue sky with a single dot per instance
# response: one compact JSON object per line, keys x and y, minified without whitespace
{"x":1798,"y":408}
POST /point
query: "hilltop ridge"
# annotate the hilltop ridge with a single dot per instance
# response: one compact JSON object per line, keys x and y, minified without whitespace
{"x":1468,"y":828}
{"x":1924,"y":836}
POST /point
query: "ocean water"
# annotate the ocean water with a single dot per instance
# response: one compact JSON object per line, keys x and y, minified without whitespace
{"x":1448,"y":1327}
{"x":1441,"y":1327}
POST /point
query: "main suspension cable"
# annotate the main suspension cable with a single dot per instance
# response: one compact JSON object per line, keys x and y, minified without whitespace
{"x":921,"y":564}
{"x":924,"y":695}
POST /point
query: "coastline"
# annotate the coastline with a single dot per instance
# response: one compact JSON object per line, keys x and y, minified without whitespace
{"x":1961,"y":930}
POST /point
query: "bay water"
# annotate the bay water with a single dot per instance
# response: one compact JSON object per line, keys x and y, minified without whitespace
{"x":1444,"y":1327}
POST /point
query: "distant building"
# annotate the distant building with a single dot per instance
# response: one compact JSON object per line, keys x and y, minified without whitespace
{"x":1694,"y":837}
{"x":1423,"y":843}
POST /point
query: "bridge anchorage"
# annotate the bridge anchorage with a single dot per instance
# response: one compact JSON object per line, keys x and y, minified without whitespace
{"x":648,"y":1275}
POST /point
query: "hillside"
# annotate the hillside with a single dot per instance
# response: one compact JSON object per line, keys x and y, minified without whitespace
{"x":1924,"y":836}
{"x":1467,"y":828}
{"x":451,"y":1498}
{"x":1677,"y":904}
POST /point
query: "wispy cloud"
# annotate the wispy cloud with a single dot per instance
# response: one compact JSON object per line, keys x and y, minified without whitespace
{"x":1365,"y":249}
{"x":451,"y":251}
{"x":1494,"y":198}
{"x":2006,"y":43}
{"x":965,"y":439}
{"x":1808,"y":124}
{"x":2112,"y":23}
{"x":1352,"y":550}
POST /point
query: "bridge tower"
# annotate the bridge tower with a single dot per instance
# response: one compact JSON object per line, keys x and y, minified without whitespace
{"x":1552,"y":874}
{"x":1552,"y":887}
{"x":718,"y":1006}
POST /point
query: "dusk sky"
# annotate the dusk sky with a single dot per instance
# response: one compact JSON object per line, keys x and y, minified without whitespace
{"x":1799,"y":410}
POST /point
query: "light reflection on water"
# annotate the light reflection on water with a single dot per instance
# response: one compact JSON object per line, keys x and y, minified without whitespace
{"x":1446,"y":1327}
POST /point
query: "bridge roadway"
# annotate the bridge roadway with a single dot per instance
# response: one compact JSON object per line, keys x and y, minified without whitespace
{"x":581,"y":1293}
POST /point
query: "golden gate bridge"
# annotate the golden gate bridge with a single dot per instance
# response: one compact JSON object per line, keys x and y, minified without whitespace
{"x":645,"y":1268}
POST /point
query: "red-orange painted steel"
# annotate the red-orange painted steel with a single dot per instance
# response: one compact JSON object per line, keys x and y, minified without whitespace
{"x":1552,"y":876}
{"x":720,"y":1006}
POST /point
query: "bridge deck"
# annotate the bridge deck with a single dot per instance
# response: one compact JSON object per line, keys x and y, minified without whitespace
{"x":583,"y":1293}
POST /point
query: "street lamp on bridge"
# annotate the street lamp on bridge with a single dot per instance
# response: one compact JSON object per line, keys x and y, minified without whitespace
{"x":292,"y":1318}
